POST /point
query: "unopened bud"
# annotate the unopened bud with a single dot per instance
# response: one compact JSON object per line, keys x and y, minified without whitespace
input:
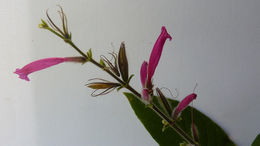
{"x":164,"y":101}
{"x":102,"y":85}
{"x":122,"y":62}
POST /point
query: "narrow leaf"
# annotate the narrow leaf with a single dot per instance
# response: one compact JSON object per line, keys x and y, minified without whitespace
{"x":256,"y":141}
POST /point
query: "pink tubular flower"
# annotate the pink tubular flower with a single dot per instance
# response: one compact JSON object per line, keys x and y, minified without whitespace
{"x":44,"y":63}
{"x":147,"y":70}
{"x":183,"y":104}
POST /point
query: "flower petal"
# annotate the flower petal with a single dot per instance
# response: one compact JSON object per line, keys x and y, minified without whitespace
{"x":21,"y":74}
{"x":143,"y":73}
{"x":183,"y":104}
{"x":44,"y":63}
{"x":156,"y":53}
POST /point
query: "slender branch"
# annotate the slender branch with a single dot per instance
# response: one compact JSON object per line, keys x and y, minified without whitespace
{"x":48,"y":28}
{"x":130,"y":88}
{"x":173,"y":125}
{"x":163,"y":116}
{"x":75,"y":47}
{"x":108,"y":71}
{"x":138,"y":95}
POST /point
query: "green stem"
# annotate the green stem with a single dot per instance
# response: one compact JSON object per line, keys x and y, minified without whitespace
{"x":77,"y":49}
{"x":69,"y":41}
{"x":166,"y":118}
{"x":174,"y":125}
{"x":57,"y":34}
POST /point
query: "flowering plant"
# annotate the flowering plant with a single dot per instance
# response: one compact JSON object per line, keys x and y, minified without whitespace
{"x":165,"y":119}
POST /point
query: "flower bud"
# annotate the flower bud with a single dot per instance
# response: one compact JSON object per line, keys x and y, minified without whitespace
{"x":102,"y":85}
{"x":122,"y":62}
{"x":164,"y":101}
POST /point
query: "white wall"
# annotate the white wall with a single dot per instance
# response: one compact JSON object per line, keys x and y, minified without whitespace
{"x":215,"y":44}
{"x":17,"y":120}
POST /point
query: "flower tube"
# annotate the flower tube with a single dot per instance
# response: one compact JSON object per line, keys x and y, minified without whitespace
{"x":44,"y":63}
{"x":148,"y":69}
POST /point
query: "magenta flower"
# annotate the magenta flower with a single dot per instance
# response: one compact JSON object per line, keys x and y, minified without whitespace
{"x":147,"y":70}
{"x":183,"y":104}
{"x":44,"y":63}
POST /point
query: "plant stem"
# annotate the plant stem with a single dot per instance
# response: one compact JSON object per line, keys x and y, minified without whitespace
{"x":174,"y":125}
{"x":130,"y":88}
{"x":138,"y":95}
{"x":77,"y":49}
{"x":166,"y":118}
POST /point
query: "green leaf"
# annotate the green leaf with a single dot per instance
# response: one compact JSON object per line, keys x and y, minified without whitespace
{"x":256,"y":141}
{"x":102,"y":63}
{"x":89,"y":53}
{"x":210,"y":134}
{"x":43,"y":24}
